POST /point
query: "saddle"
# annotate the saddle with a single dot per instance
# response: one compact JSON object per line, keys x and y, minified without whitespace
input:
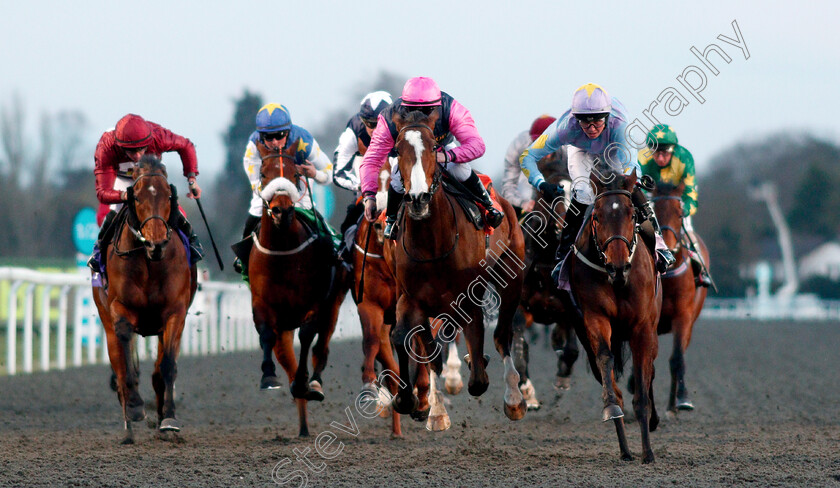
{"x":467,"y":201}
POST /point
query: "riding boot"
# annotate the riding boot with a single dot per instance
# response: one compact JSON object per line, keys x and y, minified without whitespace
{"x":572,"y":224}
{"x":701,"y":277}
{"x":664,"y":258}
{"x":474,"y":185}
{"x":104,"y":231}
{"x":395,"y":198}
{"x":250,"y":225}
{"x":195,"y":246}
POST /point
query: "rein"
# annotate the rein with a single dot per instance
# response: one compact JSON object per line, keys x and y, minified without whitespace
{"x":137,"y":233}
{"x":631,"y":246}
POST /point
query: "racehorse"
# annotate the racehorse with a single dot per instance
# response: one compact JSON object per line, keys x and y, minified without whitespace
{"x":614,"y":282}
{"x":682,"y":301}
{"x":295,"y":283}
{"x":374,"y":291}
{"x":541,"y":300}
{"x":441,"y":259}
{"x":151,"y":286}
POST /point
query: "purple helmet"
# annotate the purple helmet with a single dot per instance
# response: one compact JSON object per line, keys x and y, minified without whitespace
{"x":591,"y":99}
{"x":421,"y":92}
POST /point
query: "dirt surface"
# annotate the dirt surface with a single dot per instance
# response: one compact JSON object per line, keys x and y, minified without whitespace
{"x":767,"y":415}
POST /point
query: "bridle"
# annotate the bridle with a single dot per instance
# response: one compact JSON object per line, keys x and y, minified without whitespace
{"x":137,"y":233}
{"x":433,"y":188}
{"x":295,"y":179}
{"x":663,"y":228}
{"x":601,"y":248}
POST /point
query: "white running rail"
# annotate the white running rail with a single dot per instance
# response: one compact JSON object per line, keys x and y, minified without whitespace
{"x":61,"y":304}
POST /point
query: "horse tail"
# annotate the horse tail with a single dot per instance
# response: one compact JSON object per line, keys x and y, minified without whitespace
{"x":620,"y":349}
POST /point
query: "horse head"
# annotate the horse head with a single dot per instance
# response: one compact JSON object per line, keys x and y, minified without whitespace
{"x":279,"y":180}
{"x":382,"y":198}
{"x":152,"y":202}
{"x":667,"y":203}
{"x":613,"y":224}
{"x":415,"y":146}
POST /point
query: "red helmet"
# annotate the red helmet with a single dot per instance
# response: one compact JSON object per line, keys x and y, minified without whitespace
{"x":132,"y":132}
{"x":539,"y":126}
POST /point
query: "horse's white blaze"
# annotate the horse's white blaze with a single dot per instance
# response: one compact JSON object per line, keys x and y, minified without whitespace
{"x":153,"y":190}
{"x":438,"y":418}
{"x":513,"y":396}
{"x":452,"y":370}
{"x":280,"y":186}
{"x":418,"y":177}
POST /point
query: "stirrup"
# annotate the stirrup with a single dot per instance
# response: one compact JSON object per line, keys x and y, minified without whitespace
{"x":664,"y":260}
{"x":388,"y":233}
{"x":494,"y":216}
{"x":237,"y":265}
{"x":93,"y":265}
{"x":702,"y":280}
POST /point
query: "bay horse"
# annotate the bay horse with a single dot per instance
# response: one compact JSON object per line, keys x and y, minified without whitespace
{"x":295,"y":284}
{"x":441,"y":265}
{"x":542,"y":301}
{"x":151,"y":287}
{"x":614,"y":282}
{"x":682,"y":301}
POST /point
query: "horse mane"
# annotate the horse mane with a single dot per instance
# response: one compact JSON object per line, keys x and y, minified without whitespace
{"x":152,"y":163}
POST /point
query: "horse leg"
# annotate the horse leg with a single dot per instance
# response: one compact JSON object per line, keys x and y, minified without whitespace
{"x":263,"y":318}
{"x":300,"y":386}
{"x":519,"y":349}
{"x":168,"y":348}
{"x":515,"y":404}
{"x":438,"y":418}
{"x":326,"y":327}
{"x":678,"y":398}
{"x":117,"y":356}
{"x":284,"y":350}
{"x":644,"y":347}
{"x":422,"y":388}
{"x":567,"y":354}
{"x":599,"y":332}
{"x":389,"y":382}
{"x":371,"y":319}
{"x":133,"y":406}
{"x":452,"y":370}
{"x":476,"y":359}
{"x":408,"y":315}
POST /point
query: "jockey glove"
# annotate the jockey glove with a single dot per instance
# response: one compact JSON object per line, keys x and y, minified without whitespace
{"x":551,"y":191}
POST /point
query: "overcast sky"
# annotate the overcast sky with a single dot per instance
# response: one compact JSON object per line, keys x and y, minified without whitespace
{"x":182,"y":64}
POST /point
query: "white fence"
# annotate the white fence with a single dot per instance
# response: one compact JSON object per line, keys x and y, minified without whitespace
{"x":795,"y":308}
{"x":59,"y":309}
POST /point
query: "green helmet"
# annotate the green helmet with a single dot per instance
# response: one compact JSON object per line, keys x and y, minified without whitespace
{"x":661,"y":135}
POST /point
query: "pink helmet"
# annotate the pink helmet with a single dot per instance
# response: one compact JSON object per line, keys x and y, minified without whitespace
{"x":421,"y":92}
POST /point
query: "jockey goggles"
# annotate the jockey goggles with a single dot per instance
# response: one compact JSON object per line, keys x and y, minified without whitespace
{"x":591,"y":120}
{"x":277,"y":136}
{"x":668,"y":148}
{"x":134,"y":149}
{"x":370,"y":123}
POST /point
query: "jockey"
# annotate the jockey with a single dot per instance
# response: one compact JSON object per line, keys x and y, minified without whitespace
{"x":117,"y":152}
{"x":454,"y":124}
{"x":276,"y":131}
{"x":594,"y":129}
{"x":515,"y":187}
{"x":667,"y":162}
{"x":352,"y":146}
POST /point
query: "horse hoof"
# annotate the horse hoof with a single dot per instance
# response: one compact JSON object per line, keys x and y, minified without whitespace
{"x":269,"y":383}
{"x":530,"y":395}
{"x":420,"y":415}
{"x":454,"y":386}
{"x":648,"y":459}
{"x":516,"y":412}
{"x":438,"y":423}
{"x":685,"y":405}
{"x":612,"y":412}
{"x":135,"y":414}
{"x":127,"y":440}
{"x":562,"y":383}
{"x":405,"y":406}
{"x":626,"y":457}
{"x":315,"y":393}
{"x":170,"y":425}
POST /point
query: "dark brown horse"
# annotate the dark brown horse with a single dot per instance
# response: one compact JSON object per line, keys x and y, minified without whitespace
{"x":443,"y":267}
{"x":295,"y":284}
{"x":614,"y":282}
{"x":682,"y":301}
{"x":541,"y":301}
{"x":375,"y":293}
{"x":151,"y":286}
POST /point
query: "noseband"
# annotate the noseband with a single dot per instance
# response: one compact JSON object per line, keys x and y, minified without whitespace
{"x":137,"y":233}
{"x":631,"y":246}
